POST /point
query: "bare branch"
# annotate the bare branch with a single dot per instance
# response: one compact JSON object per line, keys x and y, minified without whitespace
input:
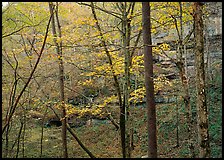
{"x":116,"y":83}
{"x":29,"y":79}
{"x":175,"y":22}
{"x":136,"y":43}
{"x":23,"y":27}
{"x":115,"y":14}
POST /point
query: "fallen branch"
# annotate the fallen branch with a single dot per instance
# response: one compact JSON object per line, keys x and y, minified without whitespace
{"x":112,"y":120}
{"x":75,"y":136}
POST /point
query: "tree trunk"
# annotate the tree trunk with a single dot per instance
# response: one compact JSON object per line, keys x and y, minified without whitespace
{"x":75,"y":136}
{"x":177,"y":120}
{"x":61,"y":75}
{"x":116,"y":83}
{"x":125,"y":125}
{"x":19,"y":137}
{"x":42,"y":132}
{"x":148,"y":63}
{"x":202,"y":120}
{"x":126,"y":30}
{"x":184,"y":80}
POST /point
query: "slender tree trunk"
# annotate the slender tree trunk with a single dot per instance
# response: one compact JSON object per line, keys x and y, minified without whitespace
{"x":14,"y":105}
{"x":125,"y":125}
{"x":116,"y":83}
{"x":185,"y":60}
{"x":23,"y":138}
{"x":75,"y":136}
{"x":177,"y":121}
{"x":184,"y":80}
{"x":42,"y":132}
{"x":126,"y":30}
{"x":61,"y":75}
{"x":18,"y":141}
{"x":125,"y":118}
{"x":202,"y":112}
{"x":12,"y":98}
{"x":61,"y":72}
{"x":207,"y":44}
{"x":148,"y":63}
{"x":7,"y":140}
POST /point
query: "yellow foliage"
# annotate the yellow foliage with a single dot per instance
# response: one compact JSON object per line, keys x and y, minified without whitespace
{"x":88,"y":82}
{"x":137,"y":64}
{"x":58,"y":40}
{"x":81,"y":111}
{"x":159,"y":83}
{"x":162,"y":47}
{"x":137,"y":95}
{"x":111,"y":99}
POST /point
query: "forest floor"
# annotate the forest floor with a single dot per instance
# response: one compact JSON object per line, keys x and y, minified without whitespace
{"x":103,"y":140}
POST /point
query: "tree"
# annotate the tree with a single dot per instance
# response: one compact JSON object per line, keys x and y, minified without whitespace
{"x":15,"y":100}
{"x":61,"y":73}
{"x":184,"y":79}
{"x":180,"y":18}
{"x":125,"y":32}
{"x":202,"y":111}
{"x":14,"y":106}
{"x":148,"y":63}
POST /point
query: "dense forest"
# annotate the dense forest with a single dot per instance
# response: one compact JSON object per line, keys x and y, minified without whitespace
{"x":111,"y":80}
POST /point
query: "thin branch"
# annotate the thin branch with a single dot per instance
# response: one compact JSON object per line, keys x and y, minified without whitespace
{"x":29,"y":79}
{"x":14,"y":69}
{"x":89,"y":99}
{"x":136,"y":43}
{"x":112,"y":120}
{"x":175,"y":22}
{"x":115,"y":14}
{"x":130,"y":6}
{"x":186,"y":39}
{"x":23,"y":27}
{"x":74,"y":135}
{"x":132,"y":9}
{"x":116,"y":83}
{"x":85,"y":69}
{"x":120,"y":9}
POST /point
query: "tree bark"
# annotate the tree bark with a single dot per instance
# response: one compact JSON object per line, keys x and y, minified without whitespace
{"x":75,"y":136}
{"x":61,"y":75}
{"x":42,"y":132}
{"x":202,"y":112}
{"x":18,"y":140}
{"x":177,"y":121}
{"x":148,"y":63}
{"x":184,"y":80}
{"x":125,"y":125}
{"x":126,"y":34}
{"x":116,"y":83}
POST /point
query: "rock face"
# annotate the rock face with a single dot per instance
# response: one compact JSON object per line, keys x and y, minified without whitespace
{"x":212,"y":49}
{"x":164,"y":99}
{"x":88,"y":119}
{"x":50,"y":120}
{"x":53,"y":122}
{"x":76,"y":122}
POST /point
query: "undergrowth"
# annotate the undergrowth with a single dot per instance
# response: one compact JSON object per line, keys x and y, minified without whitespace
{"x":103,"y":140}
